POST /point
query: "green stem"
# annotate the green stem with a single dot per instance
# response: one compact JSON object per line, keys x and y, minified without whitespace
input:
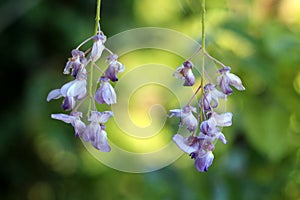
{"x":97,"y":19}
{"x":90,"y":89}
{"x":203,"y":52}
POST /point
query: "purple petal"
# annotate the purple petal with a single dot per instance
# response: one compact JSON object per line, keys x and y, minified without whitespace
{"x":203,"y":163}
{"x":98,"y":96}
{"x":68,"y":103}
{"x":222,"y":138}
{"x":189,"y":78}
{"x":224,"y":82}
{"x":54,"y":94}
{"x":63,"y":117}
{"x":100,"y":141}
{"x":90,"y":132}
{"x":111,"y":73}
{"x":109,"y":94}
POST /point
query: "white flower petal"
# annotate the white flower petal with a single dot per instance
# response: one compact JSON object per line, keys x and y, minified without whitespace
{"x":175,"y":112}
{"x":78,"y":88}
{"x":235,"y":81}
{"x":63,"y":117}
{"x":64,"y":89}
{"x":224,"y":119}
{"x":181,"y":143}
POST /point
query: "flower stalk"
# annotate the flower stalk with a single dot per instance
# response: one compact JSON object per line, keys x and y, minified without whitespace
{"x":200,"y":145}
{"x":78,"y":91}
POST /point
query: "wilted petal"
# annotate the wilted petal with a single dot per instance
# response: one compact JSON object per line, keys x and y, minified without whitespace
{"x":204,"y":162}
{"x":54,"y":94}
{"x":182,"y":143}
{"x":178,"y":73}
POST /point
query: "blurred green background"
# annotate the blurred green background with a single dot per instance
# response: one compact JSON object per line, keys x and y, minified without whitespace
{"x":259,"y":39}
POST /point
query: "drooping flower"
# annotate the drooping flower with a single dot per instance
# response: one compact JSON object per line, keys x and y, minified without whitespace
{"x":184,"y":72}
{"x":203,"y":162}
{"x":98,"y":46}
{"x":77,"y":63}
{"x":114,"y":68}
{"x":95,"y":131}
{"x":211,"y":133}
{"x":71,"y":91}
{"x":222,"y":120}
{"x":186,"y":117}
{"x":211,"y":96}
{"x":187,"y":145}
{"x":105,"y":93}
{"x":198,"y":148}
{"x":74,"y":119}
{"x":226,"y":79}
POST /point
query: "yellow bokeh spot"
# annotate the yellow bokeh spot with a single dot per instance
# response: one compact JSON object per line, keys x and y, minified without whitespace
{"x":289,"y":11}
{"x":156,"y":12}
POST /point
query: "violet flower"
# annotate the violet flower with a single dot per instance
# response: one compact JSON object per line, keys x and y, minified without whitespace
{"x":98,"y":46}
{"x":199,"y":149}
{"x":222,"y":120}
{"x":226,"y":79}
{"x":74,"y":119}
{"x":203,"y":162}
{"x":105,"y":93}
{"x":211,"y":96}
{"x":186,"y":117}
{"x":184,"y":72}
{"x":77,"y":63}
{"x":71,"y":91}
{"x":114,"y":68}
{"x":95,"y":131}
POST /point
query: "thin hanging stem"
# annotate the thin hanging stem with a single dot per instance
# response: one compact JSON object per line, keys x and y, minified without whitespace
{"x":97,"y":19}
{"x":203,"y":52}
{"x":214,"y":59}
{"x":97,"y":26}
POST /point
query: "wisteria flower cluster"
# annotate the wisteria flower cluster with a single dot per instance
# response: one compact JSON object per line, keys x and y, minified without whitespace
{"x":77,"y":91}
{"x":200,"y":145}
